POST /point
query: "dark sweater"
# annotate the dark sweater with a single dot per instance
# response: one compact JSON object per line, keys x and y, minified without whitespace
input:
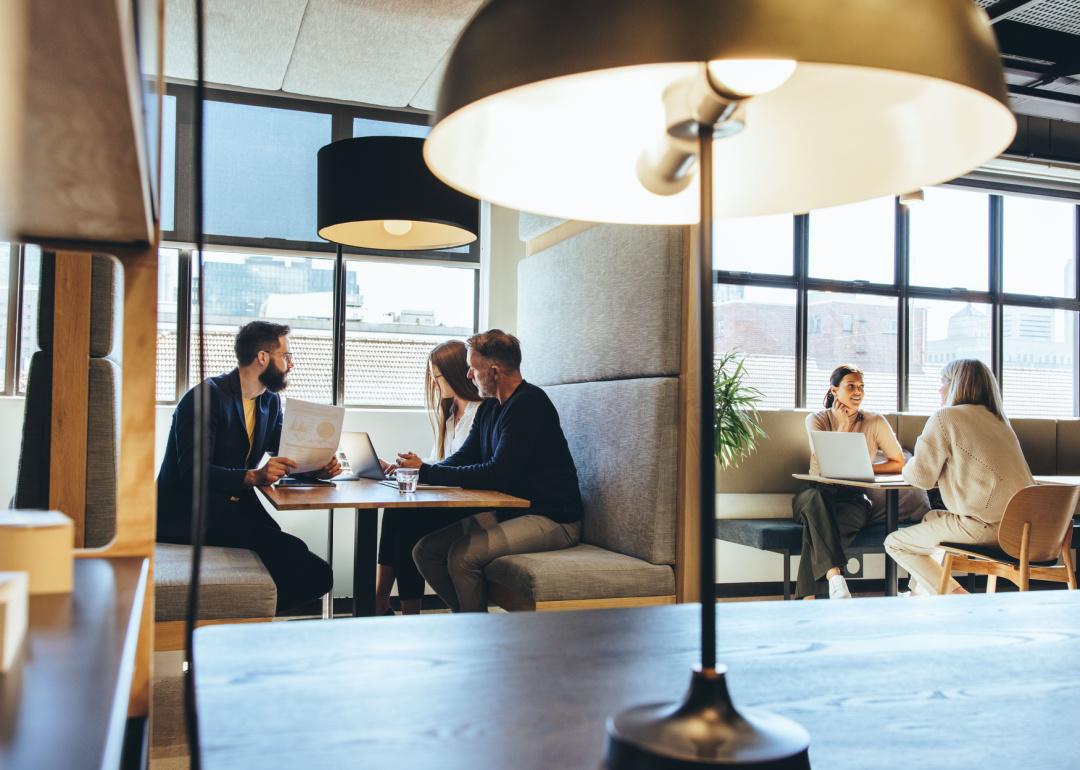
{"x":517,"y":447}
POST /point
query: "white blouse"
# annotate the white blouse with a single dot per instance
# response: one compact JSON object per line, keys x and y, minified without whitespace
{"x":456,"y":434}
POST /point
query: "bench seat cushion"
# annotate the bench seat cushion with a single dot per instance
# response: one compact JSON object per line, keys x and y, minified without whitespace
{"x":786,"y":535}
{"x":582,"y":572}
{"x":235,"y":584}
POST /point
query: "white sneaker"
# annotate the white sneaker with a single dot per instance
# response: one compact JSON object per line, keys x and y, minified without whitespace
{"x":838,"y":588}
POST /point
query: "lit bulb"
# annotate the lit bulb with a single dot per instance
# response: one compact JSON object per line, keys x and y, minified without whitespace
{"x":749,"y":77}
{"x":397,"y":226}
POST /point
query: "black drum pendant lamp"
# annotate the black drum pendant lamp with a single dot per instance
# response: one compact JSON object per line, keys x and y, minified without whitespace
{"x":625,"y":110}
{"x":376,"y":192}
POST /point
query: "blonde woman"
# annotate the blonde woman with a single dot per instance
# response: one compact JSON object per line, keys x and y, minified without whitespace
{"x":832,"y":515}
{"x":969,"y":451}
{"x":452,"y":400}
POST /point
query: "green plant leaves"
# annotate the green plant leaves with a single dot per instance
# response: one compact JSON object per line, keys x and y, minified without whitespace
{"x":736,"y":419}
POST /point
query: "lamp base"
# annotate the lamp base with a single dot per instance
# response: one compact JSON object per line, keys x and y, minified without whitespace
{"x":704,"y":730}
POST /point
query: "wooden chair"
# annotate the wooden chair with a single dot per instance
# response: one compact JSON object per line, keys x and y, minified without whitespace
{"x":1034,"y":532}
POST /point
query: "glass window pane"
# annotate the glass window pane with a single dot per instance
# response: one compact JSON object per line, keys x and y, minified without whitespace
{"x":366,"y":127}
{"x":855,"y":329}
{"x":1039,"y":247}
{"x":854,"y":243}
{"x":395,"y":314}
{"x":31,"y":287}
{"x":5,"y":287}
{"x":759,"y":323}
{"x":297,"y":291}
{"x":755,"y":244}
{"x":168,"y":287}
{"x":261,"y":170}
{"x":168,"y":163}
{"x":949,"y":239}
{"x":942,"y":331}
{"x":1040,"y":376}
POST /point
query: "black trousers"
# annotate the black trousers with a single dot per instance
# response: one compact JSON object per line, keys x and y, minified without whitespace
{"x":831,"y":517}
{"x":300,"y":575}
{"x":402,"y":529}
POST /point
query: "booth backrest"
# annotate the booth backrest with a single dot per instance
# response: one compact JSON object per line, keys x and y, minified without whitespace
{"x":598,"y":318}
{"x":1050,"y":447}
{"x":103,"y":420}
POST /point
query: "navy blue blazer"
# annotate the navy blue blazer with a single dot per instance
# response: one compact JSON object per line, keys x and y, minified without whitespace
{"x":228,"y":450}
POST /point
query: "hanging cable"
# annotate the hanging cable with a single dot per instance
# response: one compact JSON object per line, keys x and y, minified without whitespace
{"x":200,"y":460}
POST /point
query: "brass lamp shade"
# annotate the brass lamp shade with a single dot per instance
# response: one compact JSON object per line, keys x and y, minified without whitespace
{"x":375,"y":192}
{"x":546,"y":105}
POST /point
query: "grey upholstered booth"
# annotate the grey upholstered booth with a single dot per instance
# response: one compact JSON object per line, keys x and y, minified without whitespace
{"x":599,"y":322}
{"x":235,"y":583}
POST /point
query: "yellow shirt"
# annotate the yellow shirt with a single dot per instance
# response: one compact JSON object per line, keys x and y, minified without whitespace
{"x":249,"y":423}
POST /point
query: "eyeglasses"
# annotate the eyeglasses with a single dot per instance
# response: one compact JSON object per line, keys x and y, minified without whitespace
{"x":286,"y":357}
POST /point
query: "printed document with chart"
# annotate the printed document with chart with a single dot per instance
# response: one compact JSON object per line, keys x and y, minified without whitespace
{"x":310,"y":434}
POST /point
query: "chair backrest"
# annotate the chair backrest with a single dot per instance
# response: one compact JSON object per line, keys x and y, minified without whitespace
{"x":103,"y":419}
{"x":1049,"y":510}
{"x":599,"y":322}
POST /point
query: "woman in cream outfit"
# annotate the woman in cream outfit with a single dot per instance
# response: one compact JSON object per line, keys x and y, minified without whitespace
{"x":970,"y":453}
{"x":452,"y":400}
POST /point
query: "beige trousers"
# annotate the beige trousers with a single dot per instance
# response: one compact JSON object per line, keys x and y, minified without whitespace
{"x":913,"y":547}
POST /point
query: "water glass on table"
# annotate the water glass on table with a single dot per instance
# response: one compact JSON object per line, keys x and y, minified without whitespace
{"x":406,"y":479}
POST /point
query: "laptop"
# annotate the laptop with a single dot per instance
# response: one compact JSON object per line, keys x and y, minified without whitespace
{"x":359,"y":460}
{"x":844,"y":456}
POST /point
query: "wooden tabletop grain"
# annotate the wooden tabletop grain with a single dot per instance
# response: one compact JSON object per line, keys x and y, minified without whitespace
{"x":946,"y":682}
{"x":364,"y":493}
{"x":850,"y":483}
{"x":64,"y":704}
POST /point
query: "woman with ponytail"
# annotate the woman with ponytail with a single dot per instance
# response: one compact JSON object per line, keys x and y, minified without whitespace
{"x":833,"y":515}
{"x":452,"y":400}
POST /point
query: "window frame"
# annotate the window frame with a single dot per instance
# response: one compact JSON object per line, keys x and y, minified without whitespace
{"x":903,"y":290}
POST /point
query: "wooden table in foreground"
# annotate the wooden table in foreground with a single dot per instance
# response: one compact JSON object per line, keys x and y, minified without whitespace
{"x":367,"y":497}
{"x":980,"y":681}
{"x":64,"y":703}
{"x":892,"y":512}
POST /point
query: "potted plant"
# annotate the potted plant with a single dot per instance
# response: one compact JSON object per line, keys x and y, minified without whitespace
{"x":738,"y":426}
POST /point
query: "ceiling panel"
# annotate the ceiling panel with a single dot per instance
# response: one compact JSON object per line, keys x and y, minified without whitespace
{"x":248,"y":42}
{"x":373,"y":51}
{"x":428,"y":94}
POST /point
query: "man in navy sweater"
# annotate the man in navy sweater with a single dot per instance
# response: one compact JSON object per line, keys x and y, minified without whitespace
{"x":245,"y":421}
{"x":516,"y":446}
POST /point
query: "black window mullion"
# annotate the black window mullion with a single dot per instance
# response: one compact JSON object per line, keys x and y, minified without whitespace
{"x":183,"y":322}
{"x":183,"y":208}
{"x":903,"y":316}
{"x":338,"y":334}
{"x":996,"y":278}
{"x":801,"y":239}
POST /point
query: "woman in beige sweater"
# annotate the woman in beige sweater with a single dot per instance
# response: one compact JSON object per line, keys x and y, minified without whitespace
{"x":969,"y":451}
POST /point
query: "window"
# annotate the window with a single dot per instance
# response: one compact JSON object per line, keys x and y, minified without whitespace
{"x":755,"y":245}
{"x":297,"y":291}
{"x":369,"y":127}
{"x":854,"y":243}
{"x":949,"y":236}
{"x":1039,"y":377}
{"x":168,"y":302}
{"x":6,"y":252}
{"x":942,"y":331}
{"x":759,"y":323}
{"x":860,"y":318}
{"x":168,"y":163}
{"x":31,"y":288}
{"x":261,"y":170}
{"x":1039,"y":247}
{"x":395,"y":314}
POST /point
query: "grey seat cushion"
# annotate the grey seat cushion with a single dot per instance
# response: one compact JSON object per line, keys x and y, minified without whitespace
{"x":235,"y":584}
{"x":581,"y":572}
{"x":786,"y":535}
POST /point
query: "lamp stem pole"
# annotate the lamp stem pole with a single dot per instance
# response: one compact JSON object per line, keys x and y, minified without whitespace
{"x":707,"y":481}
